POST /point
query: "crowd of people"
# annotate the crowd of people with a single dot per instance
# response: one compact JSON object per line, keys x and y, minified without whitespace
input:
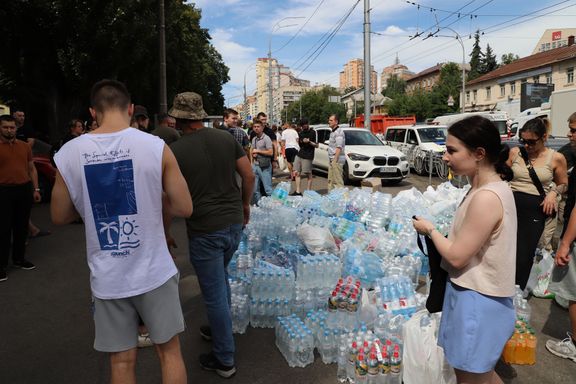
{"x":122,"y":173}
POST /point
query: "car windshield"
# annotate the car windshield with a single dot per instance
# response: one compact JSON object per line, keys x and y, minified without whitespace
{"x":361,"y":138}
{"x":433,"y":135}
{"x":502,"y":127}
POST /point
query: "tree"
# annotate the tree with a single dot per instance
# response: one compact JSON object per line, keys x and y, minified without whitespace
{"x":489,"y":62}
{"x":449,"y":85}
{"x":395,"y":87}
{"x":316,"y":107}
{"x":52,"y":53}
{"x":475,"y":58}
{"x":347,"y":90}
{"x":507,"y":58}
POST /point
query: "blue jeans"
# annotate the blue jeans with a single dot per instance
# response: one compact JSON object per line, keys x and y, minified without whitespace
{"x":264,"y":176}
{"x":210,"y":254}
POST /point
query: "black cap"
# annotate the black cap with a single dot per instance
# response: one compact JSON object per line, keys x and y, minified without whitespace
{"x":140,"y":111}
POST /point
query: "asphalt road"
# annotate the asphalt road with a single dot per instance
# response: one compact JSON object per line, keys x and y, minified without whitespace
{"x":46,"y":329}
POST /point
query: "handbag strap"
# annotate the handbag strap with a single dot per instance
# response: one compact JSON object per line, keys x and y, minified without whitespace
{"x":532,"y":173}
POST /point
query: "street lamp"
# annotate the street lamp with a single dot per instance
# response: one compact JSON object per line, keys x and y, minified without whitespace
{"x":274,"y":28}
{"x":459,"y":38}
{"x":245,"y":97}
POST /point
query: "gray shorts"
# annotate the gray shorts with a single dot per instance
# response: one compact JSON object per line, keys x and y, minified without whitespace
{"x":303,"y":166}
{"x":116,"y":320}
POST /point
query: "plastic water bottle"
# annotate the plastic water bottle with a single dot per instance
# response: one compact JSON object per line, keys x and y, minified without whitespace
{"x":395,"y":368}
{"x":341,"y":373}
{"x":523,"y":311}
{"x":372,"y":368}
{"x":361,"y":374}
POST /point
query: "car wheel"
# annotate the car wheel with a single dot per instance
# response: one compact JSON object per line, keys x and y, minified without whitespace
{"x":392,"y":182}
{"x":419,"y":166}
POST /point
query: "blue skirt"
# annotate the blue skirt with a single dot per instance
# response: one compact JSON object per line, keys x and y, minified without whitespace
{"x":474,"y":328}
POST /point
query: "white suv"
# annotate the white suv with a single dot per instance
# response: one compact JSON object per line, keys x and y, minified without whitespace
{"x":366,"y":156}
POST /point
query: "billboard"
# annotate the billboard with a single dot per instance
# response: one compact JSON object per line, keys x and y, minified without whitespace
{"x":533,"y":95}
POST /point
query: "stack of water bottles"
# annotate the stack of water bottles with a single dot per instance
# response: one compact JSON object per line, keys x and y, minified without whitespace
{"x":365,"y":358}
{"x":271,"y":294}
{"x":295,"y":341}
{"x":240,"y":310}
{"x":343,"y":304}
{"x":315,"y":275}
{"x":395,"y":295}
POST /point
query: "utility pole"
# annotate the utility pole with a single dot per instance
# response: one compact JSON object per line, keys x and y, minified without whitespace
{"x":270,"y":97}
{"x":162,"y":55}
{"x":367,"y":72}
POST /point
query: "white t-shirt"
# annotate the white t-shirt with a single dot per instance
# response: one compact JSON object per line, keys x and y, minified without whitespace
{"x":115,"y":183}
{"x":290,"y":137}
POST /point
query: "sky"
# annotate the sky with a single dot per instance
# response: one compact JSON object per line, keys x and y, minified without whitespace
{"x":315,"y":38}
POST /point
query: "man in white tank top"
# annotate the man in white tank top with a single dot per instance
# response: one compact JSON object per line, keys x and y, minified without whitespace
{"x":116,"y":178}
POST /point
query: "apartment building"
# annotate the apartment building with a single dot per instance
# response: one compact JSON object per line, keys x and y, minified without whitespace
{"x":500,"y":89}
{"x":353,"y":76}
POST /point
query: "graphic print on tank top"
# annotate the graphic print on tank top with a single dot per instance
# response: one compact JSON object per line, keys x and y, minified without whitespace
{"x":113,"y":201}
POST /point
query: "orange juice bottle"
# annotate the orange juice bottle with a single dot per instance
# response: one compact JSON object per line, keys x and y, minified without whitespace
{"x":509,"y":350}
{"x":521,"y":349}
{"x":531,"y":346}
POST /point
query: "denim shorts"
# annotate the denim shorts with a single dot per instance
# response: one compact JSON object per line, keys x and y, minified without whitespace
{"x":474,"y":328}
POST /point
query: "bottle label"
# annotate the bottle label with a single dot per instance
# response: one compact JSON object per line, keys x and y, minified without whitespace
{"x":395,"y":368}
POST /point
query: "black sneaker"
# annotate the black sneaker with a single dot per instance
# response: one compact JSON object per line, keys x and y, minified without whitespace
{"x":3,"y":275}
{"x":206,"y":332}
{"x":505,"y":370}
{"x":209,"y":362}
{"x":24,"y":264}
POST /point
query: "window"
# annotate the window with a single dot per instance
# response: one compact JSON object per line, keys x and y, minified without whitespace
{"x":570,"y":75}
{"x":390,"y":134}
{"x":502,"y":90}
{"x":475,"y":95}
{"x":547,"y":46}
{"x":513,"y":88}
{"x":488,"y":93}
{"x":536,"y":79}
{"x":322,"y":135}
{"x":467,"y":96}
{"x":554,"y":45}
{"x":399,"y":135}
{"x":543,"y":47}
{"x":523,"y":81}
{"x":548,"y":78}
{"x":412,"y":139}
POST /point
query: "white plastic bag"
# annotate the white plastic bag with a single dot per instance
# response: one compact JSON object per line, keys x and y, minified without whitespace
{"x":423,"y":359}
{"x":540,"y":276}
{"x":316,"y":239}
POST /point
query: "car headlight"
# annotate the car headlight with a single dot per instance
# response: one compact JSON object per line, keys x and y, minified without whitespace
{"x":358,"y":157}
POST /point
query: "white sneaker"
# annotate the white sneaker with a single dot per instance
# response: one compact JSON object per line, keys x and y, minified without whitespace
{"x":564,"y":348}
{"x":144,"y":341}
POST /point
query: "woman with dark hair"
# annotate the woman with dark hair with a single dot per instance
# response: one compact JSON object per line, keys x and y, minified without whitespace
{"x":536,"y":195}
{"x":478,"y":313}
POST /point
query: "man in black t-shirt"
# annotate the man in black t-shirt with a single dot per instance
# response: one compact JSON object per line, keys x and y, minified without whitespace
{"x":305,"y":156}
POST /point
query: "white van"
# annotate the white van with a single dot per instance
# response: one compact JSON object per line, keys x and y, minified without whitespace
{"x":499,"y":118}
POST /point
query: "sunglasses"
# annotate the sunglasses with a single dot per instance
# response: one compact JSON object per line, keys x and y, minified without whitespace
{"x":529,"y":142}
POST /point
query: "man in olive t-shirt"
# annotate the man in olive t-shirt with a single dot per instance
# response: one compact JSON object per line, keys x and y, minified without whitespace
{"x":209,"y":160}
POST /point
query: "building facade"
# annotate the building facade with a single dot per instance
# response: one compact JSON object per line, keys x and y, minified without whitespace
{"x":554,"y":38}
{"x":428,"y":78}
{"x":399,"y":70}
{"x":353,"y":76}
{"x":500,"y":89}
{"x":282,"y":77}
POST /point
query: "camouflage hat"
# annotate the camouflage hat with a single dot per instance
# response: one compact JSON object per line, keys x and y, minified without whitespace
{"x":188,"y":105}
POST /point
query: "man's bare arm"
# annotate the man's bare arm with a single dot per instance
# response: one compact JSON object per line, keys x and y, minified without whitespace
{"x":62,"y":209}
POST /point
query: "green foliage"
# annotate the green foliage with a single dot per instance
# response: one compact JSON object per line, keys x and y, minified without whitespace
{"x":434,"y":103}
{"x":489,"y":62}
{"x":395,"y":87}
{"x":53,"y":51}
{"x":316,"y":107}
{"x":475,"y":58}
{"x":348,"y":90}
{"x":507,"y":58}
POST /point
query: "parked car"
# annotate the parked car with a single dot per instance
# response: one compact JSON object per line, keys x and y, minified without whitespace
{"x":417,"y":141}
{"x":366,"y":156}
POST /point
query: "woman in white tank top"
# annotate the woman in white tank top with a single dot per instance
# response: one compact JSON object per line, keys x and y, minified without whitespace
{"x":478,"y":314}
